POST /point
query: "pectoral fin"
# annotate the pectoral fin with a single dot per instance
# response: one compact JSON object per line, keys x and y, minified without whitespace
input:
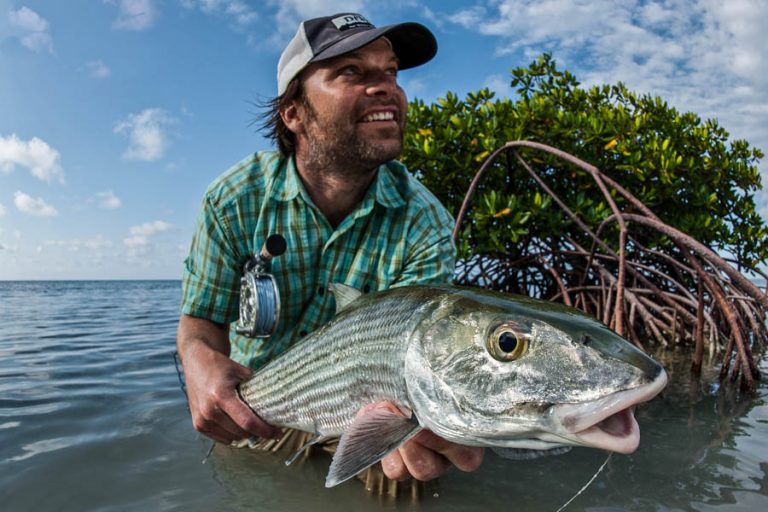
{"x":377,"y":430}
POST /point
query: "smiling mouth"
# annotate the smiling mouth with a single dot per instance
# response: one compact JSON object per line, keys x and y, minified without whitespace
{"x":379,"y":116}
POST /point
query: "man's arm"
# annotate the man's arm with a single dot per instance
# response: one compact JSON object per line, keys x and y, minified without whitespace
{"x":211,"y":379}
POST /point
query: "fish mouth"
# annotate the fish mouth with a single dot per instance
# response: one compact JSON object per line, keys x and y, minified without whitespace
{"x":608,"y":423}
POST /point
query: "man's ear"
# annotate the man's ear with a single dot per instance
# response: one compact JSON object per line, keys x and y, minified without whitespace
{"x":292,"y":117}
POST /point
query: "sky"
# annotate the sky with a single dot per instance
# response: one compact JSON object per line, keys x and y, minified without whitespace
{"x":115,"y":115}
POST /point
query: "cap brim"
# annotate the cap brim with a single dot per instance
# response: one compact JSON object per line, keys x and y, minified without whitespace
{"x":413,"y":43}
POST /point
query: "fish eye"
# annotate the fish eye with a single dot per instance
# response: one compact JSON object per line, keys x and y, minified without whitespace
{"x":506,"y":343}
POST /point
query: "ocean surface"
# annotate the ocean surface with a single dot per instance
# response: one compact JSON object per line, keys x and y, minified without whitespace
{"x":93,"y":418}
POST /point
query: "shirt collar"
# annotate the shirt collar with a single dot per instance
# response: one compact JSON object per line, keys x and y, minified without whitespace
{"x":286,"y":184}
{"x":387,"y":192}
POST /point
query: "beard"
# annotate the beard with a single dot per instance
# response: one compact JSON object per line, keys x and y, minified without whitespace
{"x":337,"y":144}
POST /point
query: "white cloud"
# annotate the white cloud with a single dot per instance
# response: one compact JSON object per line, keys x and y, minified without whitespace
{"x":10,"y":248}
{"x":237,"y":11}
{"x":27,"y":19}
{"x":135,"y":14}
{"x":414,"y":84}
{"x":33,"y":29}
{"x":763,"y":210}
{"x":305,"y":9}
{"x":139,"y":241}
{"x":498,"y":84}
{"x":135,"y":242}
{"x":108,"y":200}
{"x":291,"y":12}
{"x":97,"y":69}
{"x":146,"y":132}
{"x":94,"y":244}
{"x":36,"y":155}
{"x":38,"y":42}
{"x":33,"y":206}
{"x":470,"y":18}
{"x":151,"y":228}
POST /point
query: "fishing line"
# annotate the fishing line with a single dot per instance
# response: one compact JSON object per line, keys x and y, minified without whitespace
{"x":588,"y":483}
{"x":210,"y":451}
{"x":180,"y":375}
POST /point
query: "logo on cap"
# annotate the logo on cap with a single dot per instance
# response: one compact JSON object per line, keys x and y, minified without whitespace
{"x":349,"y":21}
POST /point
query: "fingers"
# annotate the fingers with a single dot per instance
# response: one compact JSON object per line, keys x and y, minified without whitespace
{"x":210,"y":418}
{"x":230,"y":420}
{"x":427,"y":456}
{"x":394,"y":467}
{"x":465,"y":458}
{"x":423,"y":463}
{"x":243,"y":418}
{"x":218,"y":433}
{"x":239,"y":372}
{"x":217,"y":410}
{"x":413,"y":459}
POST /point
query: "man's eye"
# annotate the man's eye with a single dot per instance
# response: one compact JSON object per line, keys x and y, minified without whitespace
{"x":392,"y":72}
{"x":349,"y":70}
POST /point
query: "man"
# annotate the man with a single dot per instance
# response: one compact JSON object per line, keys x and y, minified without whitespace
{"x":349,"y":212}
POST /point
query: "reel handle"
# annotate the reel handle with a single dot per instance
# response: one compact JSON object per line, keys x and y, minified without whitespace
{"x":272,"y":248}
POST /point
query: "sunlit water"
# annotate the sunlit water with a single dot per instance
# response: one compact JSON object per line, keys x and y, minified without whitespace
{"x":92,"y":417}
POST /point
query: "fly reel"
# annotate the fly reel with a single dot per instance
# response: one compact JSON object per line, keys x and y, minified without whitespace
{"x":259,"y":295}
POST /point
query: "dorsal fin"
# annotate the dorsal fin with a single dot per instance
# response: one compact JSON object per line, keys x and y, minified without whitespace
{"x":344,"y":294}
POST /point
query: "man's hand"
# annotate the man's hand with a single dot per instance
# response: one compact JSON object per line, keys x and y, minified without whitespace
{"x":427,"y":456}
{"x":212,"y":378}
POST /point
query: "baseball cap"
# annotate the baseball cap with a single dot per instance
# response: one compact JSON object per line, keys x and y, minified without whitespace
{"x":330,"y":36}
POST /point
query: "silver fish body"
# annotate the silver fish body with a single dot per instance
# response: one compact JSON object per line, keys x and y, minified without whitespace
{"x":475,"y":367}
{"x":356,"y":359}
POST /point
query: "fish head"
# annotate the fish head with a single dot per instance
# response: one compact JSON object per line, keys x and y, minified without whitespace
{"x":488,"y":369}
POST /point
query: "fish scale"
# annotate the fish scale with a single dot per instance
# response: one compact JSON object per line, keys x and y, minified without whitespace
{"x":357,"y":362}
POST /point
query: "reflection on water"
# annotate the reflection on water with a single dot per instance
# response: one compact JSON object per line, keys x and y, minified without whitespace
{"x":92,"y":418}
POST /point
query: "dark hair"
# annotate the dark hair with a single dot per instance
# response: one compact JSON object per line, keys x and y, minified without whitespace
{"x":272,"y":123}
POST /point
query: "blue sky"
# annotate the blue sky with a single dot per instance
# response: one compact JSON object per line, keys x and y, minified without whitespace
{"x":116,"y":114}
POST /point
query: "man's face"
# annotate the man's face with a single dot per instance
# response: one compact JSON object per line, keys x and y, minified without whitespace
{"x":353,"y":116}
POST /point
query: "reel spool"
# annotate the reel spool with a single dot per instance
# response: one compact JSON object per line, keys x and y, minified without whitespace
{"x":259,"y":295}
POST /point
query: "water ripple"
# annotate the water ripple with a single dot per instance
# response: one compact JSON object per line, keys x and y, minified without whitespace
{"x":91,"y":411}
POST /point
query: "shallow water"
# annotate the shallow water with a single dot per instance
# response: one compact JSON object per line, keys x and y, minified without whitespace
{"x":92,"y":418}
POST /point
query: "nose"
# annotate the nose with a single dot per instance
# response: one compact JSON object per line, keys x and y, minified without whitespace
{"x":382,"y":85}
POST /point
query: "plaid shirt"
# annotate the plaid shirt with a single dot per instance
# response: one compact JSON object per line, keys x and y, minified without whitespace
{"x":398,"y":235}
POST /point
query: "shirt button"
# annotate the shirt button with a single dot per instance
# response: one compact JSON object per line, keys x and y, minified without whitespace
{"x":366,"y":288}
{"x":321,"y":291}
{"x":303,"y":333}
